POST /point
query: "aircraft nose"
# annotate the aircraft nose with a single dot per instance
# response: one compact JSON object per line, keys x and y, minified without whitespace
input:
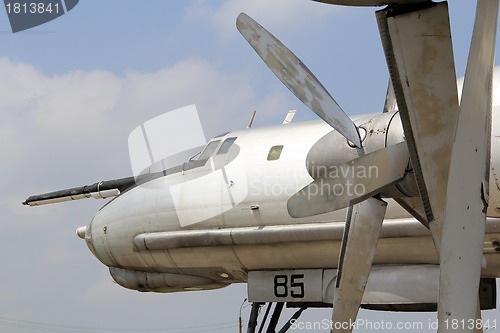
{"x":80,"y":232}
{"x":85,"y":233}
{"x":96,"y":236}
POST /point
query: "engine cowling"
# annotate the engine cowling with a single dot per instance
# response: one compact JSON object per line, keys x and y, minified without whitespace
{"x":161,"y":282}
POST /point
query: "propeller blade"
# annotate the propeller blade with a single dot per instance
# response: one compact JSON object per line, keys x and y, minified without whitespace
{"x":467,"y":196}
{"x":361,"y":234}
{"x":419,"y":53}
{"x":350,"y":183}
{"x":297,"y":77}
{"x":448,"y":144}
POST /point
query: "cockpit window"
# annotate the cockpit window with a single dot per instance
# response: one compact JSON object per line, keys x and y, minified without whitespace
{"x":209,"y":150}
{"x":274,"y":153}
{"x":224,"y":148}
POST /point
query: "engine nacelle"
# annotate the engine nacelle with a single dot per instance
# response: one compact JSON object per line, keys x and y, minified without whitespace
{"x":377,"y":132}
{"x":161,"y":282}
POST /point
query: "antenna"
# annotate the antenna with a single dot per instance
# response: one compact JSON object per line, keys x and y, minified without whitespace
{"x":251,"y":119}
{"x":289,"y":117}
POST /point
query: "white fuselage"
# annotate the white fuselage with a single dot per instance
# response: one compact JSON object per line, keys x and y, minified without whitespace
{"x":208,"y":222}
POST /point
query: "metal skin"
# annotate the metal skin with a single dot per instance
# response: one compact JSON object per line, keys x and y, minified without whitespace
{"x":449,"y":143}
{"x":257,"y":192}
{"x":469,"y":173}
{"x":356,"y":258}
{"x":421,"y":57}
{"x":306,"y":202}
{"x":238,"y":219}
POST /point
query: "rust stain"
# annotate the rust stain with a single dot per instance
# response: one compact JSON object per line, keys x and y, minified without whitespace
{"x":453,"y":102}
{"x":441,"y":158}
{"x":430,"y":112}
{"x":428,"y":58}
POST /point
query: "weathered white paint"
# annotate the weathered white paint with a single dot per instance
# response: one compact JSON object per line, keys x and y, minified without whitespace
{"x":356,"y":261}
{"x":467,"y":194}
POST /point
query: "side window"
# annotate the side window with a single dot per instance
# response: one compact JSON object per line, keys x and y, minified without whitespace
{"x":274,"y":153}
{"x":224,"y":148}
{"x":209,"y":150}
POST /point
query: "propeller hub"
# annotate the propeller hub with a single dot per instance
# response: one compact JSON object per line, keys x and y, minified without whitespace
{"x":333,"y":149}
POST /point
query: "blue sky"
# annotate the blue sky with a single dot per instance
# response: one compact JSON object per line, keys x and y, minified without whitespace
{"x":74,"y":88}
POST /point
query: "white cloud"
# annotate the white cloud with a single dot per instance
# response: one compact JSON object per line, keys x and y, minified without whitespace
{"x":80,"y":119}
{"x":277,"y":15}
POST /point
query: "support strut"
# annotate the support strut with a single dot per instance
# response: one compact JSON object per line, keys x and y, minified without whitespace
{"x":252,"y":322}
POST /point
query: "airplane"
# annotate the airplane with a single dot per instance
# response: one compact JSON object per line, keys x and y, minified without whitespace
{"x":397,"y":210}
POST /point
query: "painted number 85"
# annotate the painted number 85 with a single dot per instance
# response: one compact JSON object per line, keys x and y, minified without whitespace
{"x":282,"y":289}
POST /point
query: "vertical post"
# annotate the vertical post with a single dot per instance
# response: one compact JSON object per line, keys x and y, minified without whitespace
{"x":252,"y":322}
{"x":265,"y":316}
{"x":275,"y":317}
{"x":250,"y":121}
{"x":240,"y":322}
